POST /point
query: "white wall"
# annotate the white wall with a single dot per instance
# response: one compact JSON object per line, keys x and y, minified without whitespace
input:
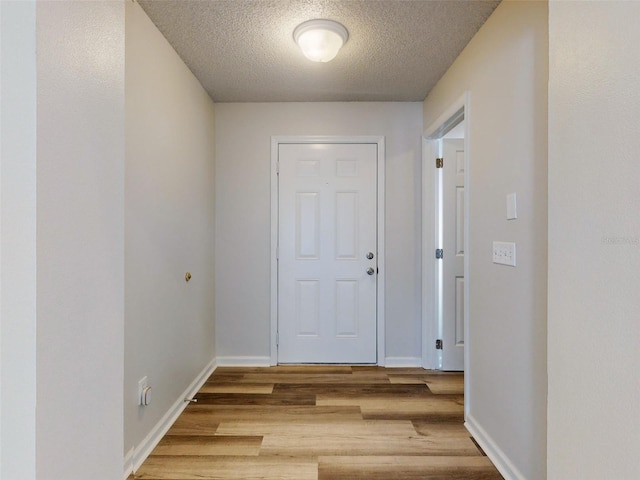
{"x":243,"y":133}
{"x":594,"y":241}
{"x":17,"y":240}
{"x":80,"y":239}
{"x":504,"y":68}
{"x":169,"y":226}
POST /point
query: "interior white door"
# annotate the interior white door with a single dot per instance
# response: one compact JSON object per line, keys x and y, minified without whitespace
{"x":327,"y":232}
{"x":453,"y":259}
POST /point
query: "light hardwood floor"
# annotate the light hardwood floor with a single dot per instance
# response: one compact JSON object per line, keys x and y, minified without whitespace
{"x":322,"y":423}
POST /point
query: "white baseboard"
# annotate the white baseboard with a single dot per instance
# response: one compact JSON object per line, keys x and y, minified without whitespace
{"x":128,"y":463}
{"x":266,"y":362}
{"x":508,"y":470}
{"x":244,"y":361}
{"x":137,"y":455}
{"x":397,"y":362}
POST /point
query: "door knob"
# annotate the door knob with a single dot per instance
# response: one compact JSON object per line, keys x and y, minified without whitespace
{"x":370,"y":255}
{"x":370,"y":271}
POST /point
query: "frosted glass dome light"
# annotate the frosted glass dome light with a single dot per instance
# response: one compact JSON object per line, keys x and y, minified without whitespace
{"x":320,"y":40}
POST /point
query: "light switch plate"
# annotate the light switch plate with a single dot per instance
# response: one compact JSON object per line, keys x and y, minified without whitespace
{"x":504,"y":253}
{"x":512,"y":213}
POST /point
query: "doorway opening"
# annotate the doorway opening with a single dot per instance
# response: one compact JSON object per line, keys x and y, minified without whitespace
{"x":327,"y":249}
{"x":445,"y":240}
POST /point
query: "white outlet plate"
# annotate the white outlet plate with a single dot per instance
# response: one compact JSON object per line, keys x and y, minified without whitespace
{"x":504,"y":253}
{"x":142,"y":384}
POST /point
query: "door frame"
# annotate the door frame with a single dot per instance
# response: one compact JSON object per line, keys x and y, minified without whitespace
{"x":431,"y":316}
{"x":380,"y":196}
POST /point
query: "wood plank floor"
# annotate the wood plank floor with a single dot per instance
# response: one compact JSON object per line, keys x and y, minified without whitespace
{"x":322,"y":423}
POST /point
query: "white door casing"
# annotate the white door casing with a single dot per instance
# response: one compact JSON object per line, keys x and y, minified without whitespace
{"x":453,"y":288}
{"x":459,"y":110}
{"x":327,"y":231}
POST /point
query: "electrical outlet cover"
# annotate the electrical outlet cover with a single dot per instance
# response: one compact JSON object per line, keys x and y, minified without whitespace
{"x":142,"y":384}
{"x":504,"y":253}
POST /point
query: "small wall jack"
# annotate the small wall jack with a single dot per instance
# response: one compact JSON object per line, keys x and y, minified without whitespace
{"x":191,"y":400}
{"x":144,"y":392}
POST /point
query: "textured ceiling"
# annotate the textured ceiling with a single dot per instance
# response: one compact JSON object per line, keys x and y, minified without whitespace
{"x":243,"y":50}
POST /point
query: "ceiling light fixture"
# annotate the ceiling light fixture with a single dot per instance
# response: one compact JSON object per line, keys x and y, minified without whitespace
{"x":320,"y":40}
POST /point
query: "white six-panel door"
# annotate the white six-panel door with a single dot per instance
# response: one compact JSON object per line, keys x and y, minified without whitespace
{"x":327,"y":214}
{"x":453,"y":244}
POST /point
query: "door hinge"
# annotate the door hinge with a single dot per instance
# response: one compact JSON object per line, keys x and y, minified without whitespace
{"x":439,"y":162}
{"x":278,"y":167}
{"x":277,"y":339}
{"x":439,"y":253}
{"x":439,"y":344}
